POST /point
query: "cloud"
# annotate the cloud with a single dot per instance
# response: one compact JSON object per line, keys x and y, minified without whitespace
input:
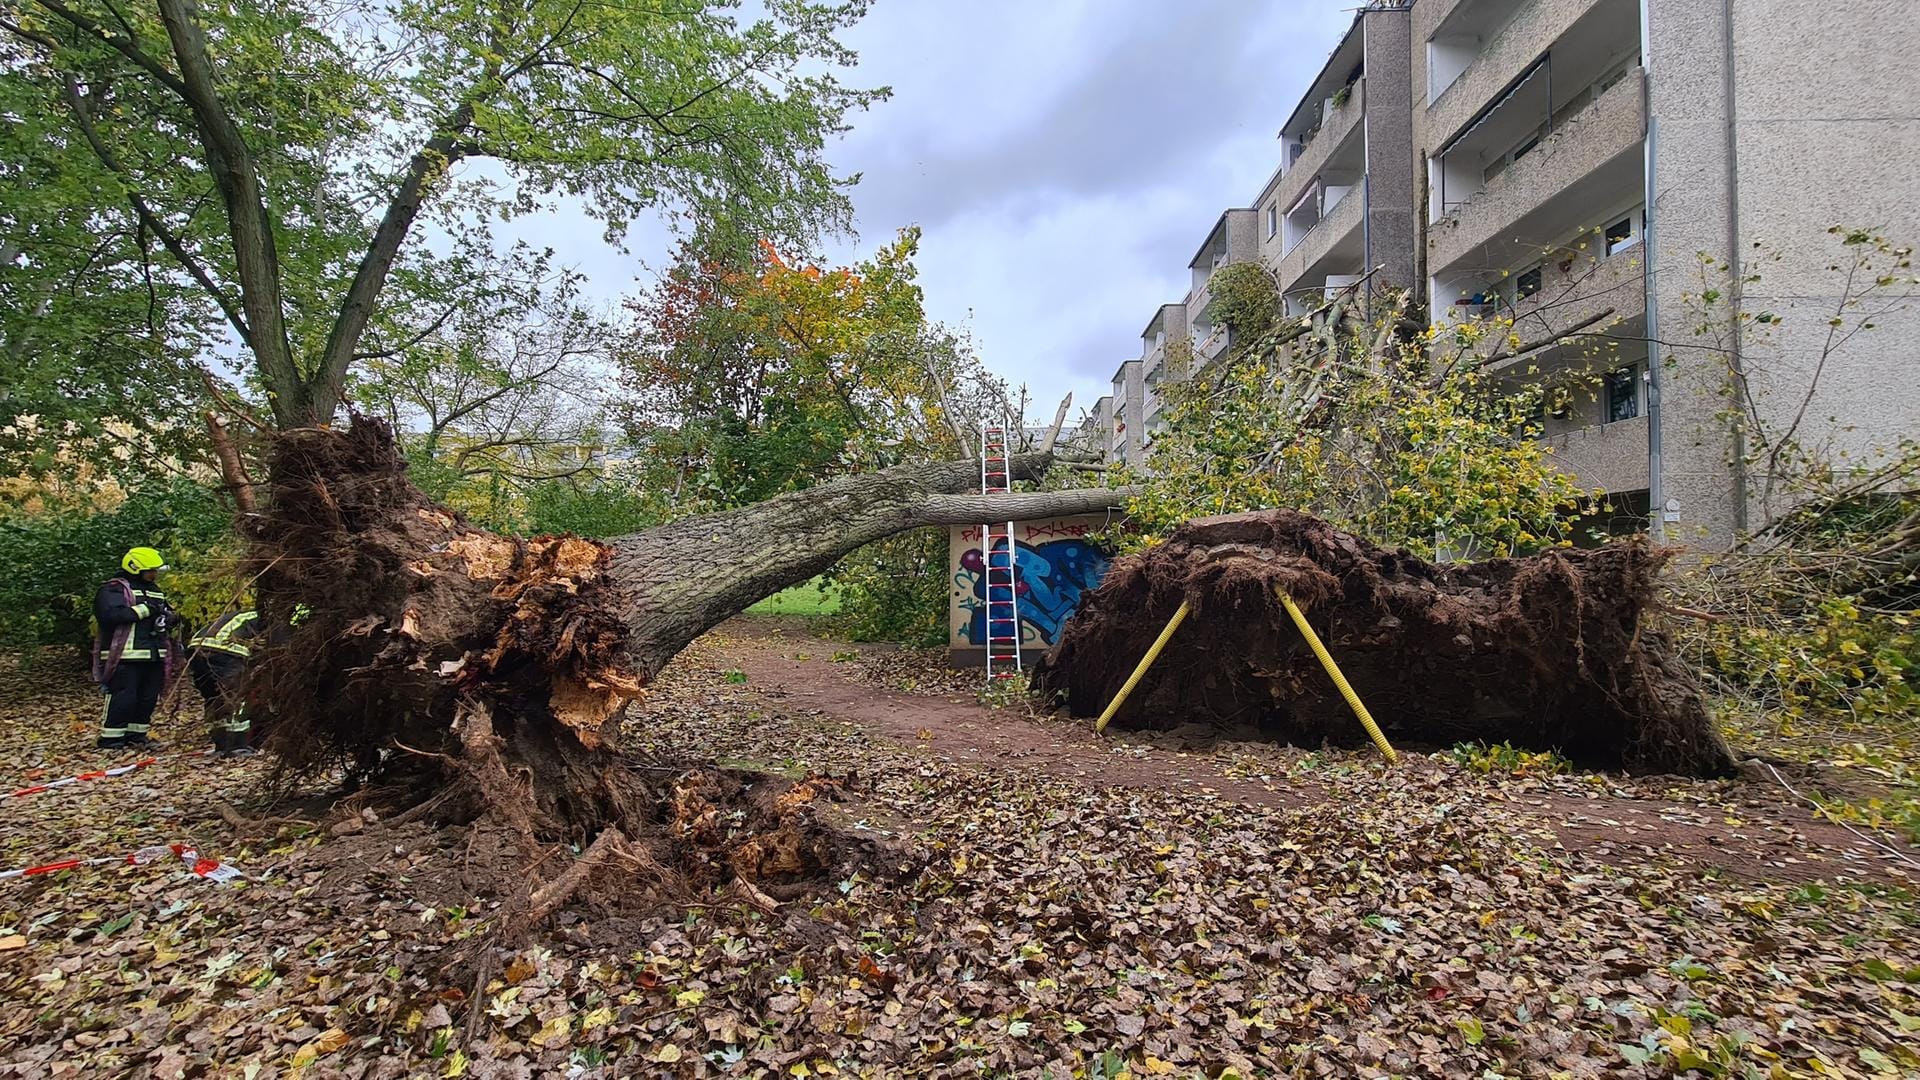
{"x":1065,"y":160}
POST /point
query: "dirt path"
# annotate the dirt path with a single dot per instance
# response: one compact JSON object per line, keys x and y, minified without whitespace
{"x":786,"y":664}
{"x":1751,"y":829}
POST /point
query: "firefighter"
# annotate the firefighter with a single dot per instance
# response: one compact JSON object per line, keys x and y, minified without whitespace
{"x":132,"y":652}
{"x":217,"y":660}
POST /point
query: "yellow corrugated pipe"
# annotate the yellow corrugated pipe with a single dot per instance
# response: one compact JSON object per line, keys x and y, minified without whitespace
{"x":1133,"y":680}
{"x":1333,"y":669}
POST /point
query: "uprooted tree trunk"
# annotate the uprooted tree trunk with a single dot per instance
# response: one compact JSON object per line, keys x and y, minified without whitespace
{"x":1548,"y":652}
{"x":489,"y":674}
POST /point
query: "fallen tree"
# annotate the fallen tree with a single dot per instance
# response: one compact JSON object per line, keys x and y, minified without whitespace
{"x":477,"y":674}
{"x":1548,"y":651}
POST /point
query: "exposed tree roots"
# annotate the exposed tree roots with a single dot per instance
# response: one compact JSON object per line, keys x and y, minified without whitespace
{"x":1547,"y":652}
{"x":482,"y":679}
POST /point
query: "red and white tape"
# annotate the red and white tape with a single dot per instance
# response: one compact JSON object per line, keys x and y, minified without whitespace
{"x":98,"y":774}
{"x":211,"y":869}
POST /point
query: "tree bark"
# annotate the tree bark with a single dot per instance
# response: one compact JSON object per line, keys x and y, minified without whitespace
{"x":684,"y":578}
{"x":256,"y":257}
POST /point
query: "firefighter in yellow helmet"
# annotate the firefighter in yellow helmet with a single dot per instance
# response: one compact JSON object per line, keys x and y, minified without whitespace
{"x":132,"y":653}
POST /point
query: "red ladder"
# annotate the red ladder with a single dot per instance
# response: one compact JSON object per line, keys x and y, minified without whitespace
{"x":1003,"y":605}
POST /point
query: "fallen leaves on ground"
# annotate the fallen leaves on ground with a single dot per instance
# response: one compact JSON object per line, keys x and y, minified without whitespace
{"x":1418,"y":921}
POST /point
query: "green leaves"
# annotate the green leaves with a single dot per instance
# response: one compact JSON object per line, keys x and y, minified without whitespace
{"x":1405,"y":447}
{"x":277,"y":176}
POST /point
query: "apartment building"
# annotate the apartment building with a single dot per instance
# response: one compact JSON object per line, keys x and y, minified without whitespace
{"x":1341,"y":201}
{"x":1097,"y":430}
{"x":1562,"y":166}
{"x":1165,"y":358}
{"x":1234,"y":238}
{"x":1579,"y":156}
{"x":1127,"y":443}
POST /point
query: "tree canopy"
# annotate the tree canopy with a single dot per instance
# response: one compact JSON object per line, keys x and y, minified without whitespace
{"x":755,"y":371}
{"x":265,"y":168}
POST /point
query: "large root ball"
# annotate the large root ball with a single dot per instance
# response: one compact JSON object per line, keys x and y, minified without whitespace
{"x":1548,"y":651}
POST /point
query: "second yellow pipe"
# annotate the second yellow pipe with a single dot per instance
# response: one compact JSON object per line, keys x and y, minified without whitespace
{"x":1339,"y":680}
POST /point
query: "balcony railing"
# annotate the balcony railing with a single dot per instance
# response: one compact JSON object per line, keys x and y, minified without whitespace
{"x":1334,"y":129}
{"x":1612,"y":125}
{"x":1529,"y":33}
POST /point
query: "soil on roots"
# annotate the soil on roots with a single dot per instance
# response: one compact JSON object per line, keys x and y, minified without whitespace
{"x":473,"y":678}
{"x":1548,"y":652}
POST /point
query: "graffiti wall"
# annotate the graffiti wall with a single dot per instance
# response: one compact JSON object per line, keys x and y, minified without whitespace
{"x":1055,"y":563}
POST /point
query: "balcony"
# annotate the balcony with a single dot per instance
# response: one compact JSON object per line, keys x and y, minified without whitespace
{"x":1337,"y":127}
{"x":1335,"y":244}
{"x":1611,"y":292}
{"x":1154,"y":364}
{"x":1585,"y":166}
{"x":1529,"y":33}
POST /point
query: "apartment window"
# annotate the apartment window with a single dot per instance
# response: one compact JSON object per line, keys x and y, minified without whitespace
{"x":1502,"y":162}
{"x":1273,"y":219}
{"x":1526,"y":283}
{"x":1623,"y":234}
{"x":1623,"y":394}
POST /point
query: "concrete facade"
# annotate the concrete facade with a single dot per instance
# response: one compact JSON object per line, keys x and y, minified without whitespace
{"x":1563,"y":166}
{"x":1096,"y":432}
{"x":1578,"y":164}
{"x":1341,"y":202}
{"x":1165,"y":358}
{"x":1234,"y":238}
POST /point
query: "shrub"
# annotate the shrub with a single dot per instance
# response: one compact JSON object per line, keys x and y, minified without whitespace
{"x":56,"y":559}
{"x":599,"y":511}
{"x":895,"y":590}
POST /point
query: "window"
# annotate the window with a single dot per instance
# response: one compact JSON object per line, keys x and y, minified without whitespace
{"x":1623,"y":234}
{"x":1623,"y":394}
{"x":1526,"y":283}
{"x":1499,"y":163}
{"x":1273,"y":219}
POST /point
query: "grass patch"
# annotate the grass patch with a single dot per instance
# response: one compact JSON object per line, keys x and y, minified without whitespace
{"x":809,"y":598}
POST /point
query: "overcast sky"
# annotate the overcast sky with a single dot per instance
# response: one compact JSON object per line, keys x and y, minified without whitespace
{"x":1067,"y":158}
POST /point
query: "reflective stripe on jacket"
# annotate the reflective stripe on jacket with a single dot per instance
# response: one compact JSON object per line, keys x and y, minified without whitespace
{"x":228,"y":634}
{"x":124,"y":609}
